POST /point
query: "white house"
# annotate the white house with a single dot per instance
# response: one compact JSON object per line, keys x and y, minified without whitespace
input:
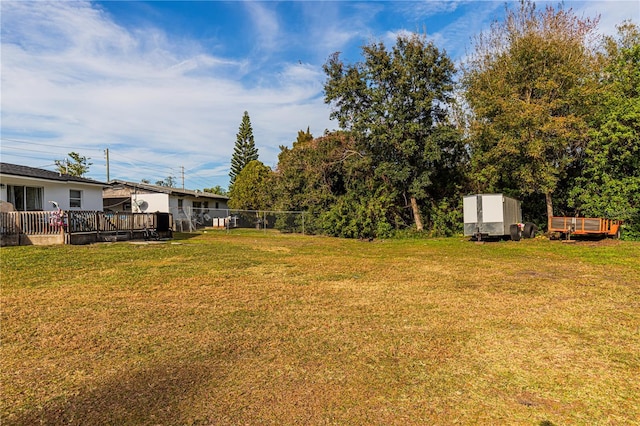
{"x":190,"y":209}
{"x":31,"y":189}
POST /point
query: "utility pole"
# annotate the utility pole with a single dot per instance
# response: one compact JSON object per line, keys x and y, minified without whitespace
{"x":182,"y":172}
{"x":106,"y":151}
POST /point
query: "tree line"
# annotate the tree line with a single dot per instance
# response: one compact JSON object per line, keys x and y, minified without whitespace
{"x":544,"y":109}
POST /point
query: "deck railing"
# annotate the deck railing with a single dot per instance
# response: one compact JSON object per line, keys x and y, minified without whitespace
{"x":74,"y":222}
{"x":110,"y":222}
{"x":9,"y":223}
{"x":30,"y":223}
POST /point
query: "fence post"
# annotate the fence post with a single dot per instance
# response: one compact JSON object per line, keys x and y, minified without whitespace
{"x":66,"y":230}
{"x":97,"y":222}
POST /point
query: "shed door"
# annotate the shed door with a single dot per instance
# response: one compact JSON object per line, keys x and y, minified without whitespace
{"x":470,"y":209}
{"x":492,"y":208}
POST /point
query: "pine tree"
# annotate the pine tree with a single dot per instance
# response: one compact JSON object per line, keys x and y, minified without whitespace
{"x":245,"y":149}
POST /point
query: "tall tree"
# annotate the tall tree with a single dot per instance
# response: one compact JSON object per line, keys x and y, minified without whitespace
{"x":609,"y":182}
{"x":306,"y":171}
{"x":252,"y":188}
{"x":395,"y":102}
{"x":332,"y":181}
{"x":169,"y":182}
{"x":75,"y":165}
{"x":218,"y":190}
{"x":528,"y":86}
{"x":245,"y":149}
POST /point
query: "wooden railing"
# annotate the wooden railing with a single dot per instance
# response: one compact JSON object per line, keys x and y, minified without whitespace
{"x":74,"y":222}
{"x":111,"y":222}
{"x":92,"y":221}
{"x":9,"y":223}
{"x":30,"y":223}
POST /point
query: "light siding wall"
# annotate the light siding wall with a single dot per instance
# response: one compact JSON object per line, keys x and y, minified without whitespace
{"x":179,"y":215}
{"x":154,"y":202}
{"x":58,"y":192}
{"x":187,"y":203}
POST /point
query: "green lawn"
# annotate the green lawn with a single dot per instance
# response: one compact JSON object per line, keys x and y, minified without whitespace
{"x":263,"y":328}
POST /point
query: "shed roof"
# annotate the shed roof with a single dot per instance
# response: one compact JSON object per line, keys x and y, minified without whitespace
{"x":168,"y":190}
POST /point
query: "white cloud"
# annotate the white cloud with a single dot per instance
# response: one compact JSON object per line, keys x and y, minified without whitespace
{"x":611,"y":13}
{"x":337,"y":26}
{"x":73,"y":79}
{"x":265,"y":22}
{"x":390,"y":37}
{"x":85,"y":82}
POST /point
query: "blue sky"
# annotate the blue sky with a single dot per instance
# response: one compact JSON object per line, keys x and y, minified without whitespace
{"x":163,"y":85}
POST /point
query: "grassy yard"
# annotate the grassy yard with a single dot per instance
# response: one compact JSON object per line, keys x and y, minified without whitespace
{"x":255,"y":328}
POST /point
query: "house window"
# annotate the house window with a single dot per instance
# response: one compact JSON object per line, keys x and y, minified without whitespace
{"x":25,"y":198}
{"x":197,"y":205}
{"x":217,"y":205}
{"x":180,"y":205}
{"x":75,"y":198}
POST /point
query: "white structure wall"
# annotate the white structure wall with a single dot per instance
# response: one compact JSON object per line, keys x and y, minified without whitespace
{"x":162,"y":202}
{"x":91,"y":195}
{"x":150,"y":203}
{"x":492,"y":208}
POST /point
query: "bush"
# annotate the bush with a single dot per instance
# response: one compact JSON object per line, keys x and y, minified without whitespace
{"x":358,"y":218}
{"x":446,"y":218}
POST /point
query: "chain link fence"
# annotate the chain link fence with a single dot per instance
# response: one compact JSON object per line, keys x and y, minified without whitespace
{"x":194,"y":219}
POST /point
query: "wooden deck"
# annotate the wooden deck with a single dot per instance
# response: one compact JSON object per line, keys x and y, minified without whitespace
{"x":79,"y":227}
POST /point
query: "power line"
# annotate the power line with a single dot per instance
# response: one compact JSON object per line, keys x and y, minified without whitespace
{"x":136,"y":160}
{"x":24,"y":149}
{"x":30,"y":156}
{"x":205,"y":182}
{"x":47,"y":145}
{"x":100,"y":150}
{"x":116,"y":165}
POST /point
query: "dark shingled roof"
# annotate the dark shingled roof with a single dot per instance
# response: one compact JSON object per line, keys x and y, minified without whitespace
{"x":168,"y":190}
{"x":32,"y":172}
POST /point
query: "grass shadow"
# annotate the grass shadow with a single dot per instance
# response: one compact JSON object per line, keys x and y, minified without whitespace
{"x":147,"y":396}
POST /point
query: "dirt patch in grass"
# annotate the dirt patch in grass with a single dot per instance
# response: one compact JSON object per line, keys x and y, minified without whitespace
{"x":286,"y":329}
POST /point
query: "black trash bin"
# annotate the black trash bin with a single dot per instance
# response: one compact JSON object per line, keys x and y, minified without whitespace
{"x":163,"y":221}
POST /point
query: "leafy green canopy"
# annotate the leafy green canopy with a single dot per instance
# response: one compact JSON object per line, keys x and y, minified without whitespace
{"x":252,"y":188}
{"x":75,"y":165}
{"x":528,"y":85}
{"x":331,"y":180}
{"x":310,"y":174}
{"x":216,"y":190}
{"x":609,"y":185}
{"x":169,"y":182}
{"x":395,"y":104}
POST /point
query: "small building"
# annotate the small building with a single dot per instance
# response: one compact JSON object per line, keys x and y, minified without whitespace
{"x":190,"y":209}
{"x":31,"y":189}
{"x":40,"y":206}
